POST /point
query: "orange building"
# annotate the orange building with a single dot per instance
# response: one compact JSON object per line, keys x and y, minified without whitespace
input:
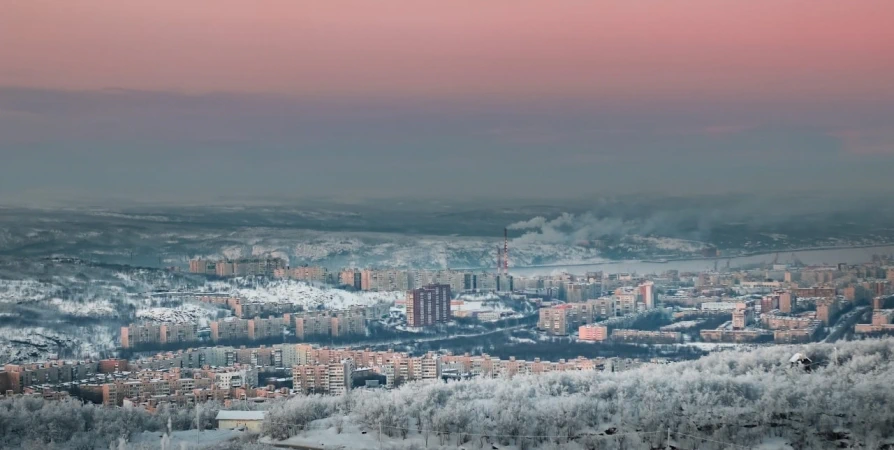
{"x":592,"y":333}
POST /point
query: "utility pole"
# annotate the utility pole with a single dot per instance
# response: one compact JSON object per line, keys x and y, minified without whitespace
{"x":198,"y":422}
{"x":668,"y":437}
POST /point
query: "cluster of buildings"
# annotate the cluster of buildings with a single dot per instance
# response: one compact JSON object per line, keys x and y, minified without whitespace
{"x":332,"y":323}
{"x":151,"y":388}
{"x":391,"y":280}
{"x":405,"y":280}
{"x":304,"y":273}
{"x":14,"y":378}
{"x":330,"y":371}
{"x":153,"y":334}
{"x":237,"y":267}
{"x":459,"y":308}
{"x":226,"y":373}
{"x":565,"y":318}
{"x":248,"y":309}
{"x":777,"y":320}
{"x":780,"y":303}
{"x":600,"y":333}
{"x":337,"y":323}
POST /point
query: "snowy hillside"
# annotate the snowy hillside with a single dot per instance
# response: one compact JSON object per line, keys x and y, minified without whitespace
{"x":76,"y":308}
{"x":299,"y":293}
{"x":199,"y":314}
{"x":26,"y":344}
{"x":72,"y":308}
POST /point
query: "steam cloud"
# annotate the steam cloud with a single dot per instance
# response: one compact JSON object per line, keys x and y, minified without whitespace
{"x":693,"y":218}
{"x":570,"y":228}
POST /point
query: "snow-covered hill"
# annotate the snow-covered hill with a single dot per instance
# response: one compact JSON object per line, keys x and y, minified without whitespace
{"x":72,"y":308}
{"x":187,"y":312}
{"x":299,"y":293}
{"x":75,"y":308}
{"x":61,"y":340}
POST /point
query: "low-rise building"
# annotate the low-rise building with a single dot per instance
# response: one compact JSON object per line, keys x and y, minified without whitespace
{"x":591,"y":332}
{"x":652,"y":337}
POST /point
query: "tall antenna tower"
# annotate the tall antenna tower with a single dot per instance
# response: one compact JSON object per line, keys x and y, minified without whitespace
{"x":506,"y":251}
{"x":499,"y":259}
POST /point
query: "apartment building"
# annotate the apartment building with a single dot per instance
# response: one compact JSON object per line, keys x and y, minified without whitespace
{"x":602,"y":307}
{"x":628,"y":300}
{"x":738,"y":336}
{"x":304,"y":273}
{"x":596,"y":333}
{"x":238,"y":267}
{"x":203,"y":266}
{"x":428,"y":305}
{"x":258,"y":309}
{"x":421,"y":278}
{"x":137,"y":335}
{"x":776,"y":322}
{"x":315,"y":323}
{"x":235,"y":377}
{"x":556,"y":320}
{"x":827,"y":309}
{"x":815,"y":291}
{"x":112,"y":366}
{"x":182,"y":332}
{"x":17,"y":377}
{"x":269,"y":328}
{"x":229,"y":330}
{"x":797,"y":335}
{"x":340,"y":377}
{"x":651,"y":337}
{"x":384,"y":280}
{"x":310,"y":379}
{"x":333,"y":378}
{"x":742,"y":318}
{"x":647,"y":294}
{"x":350,"y":277}
{"x":347,"y":323}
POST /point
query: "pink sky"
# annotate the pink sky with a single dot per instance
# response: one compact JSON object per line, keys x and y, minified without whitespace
{"x":727,"y":49}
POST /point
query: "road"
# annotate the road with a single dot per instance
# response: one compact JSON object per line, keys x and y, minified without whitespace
{"x":846,"y":323}
{"x":442,"y":337}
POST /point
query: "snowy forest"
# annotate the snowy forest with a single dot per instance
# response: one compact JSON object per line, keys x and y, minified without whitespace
{"x":726,"y":400}
{"x":731,"y":399}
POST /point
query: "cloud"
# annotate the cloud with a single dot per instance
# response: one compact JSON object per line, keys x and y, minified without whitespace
{"x":537,"y":222}
{"x":569,"y":228}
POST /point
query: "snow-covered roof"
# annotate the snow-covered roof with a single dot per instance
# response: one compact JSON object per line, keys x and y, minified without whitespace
{"x":241,"y":415}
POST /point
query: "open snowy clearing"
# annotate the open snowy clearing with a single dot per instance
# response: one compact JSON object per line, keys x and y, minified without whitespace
{"x":185,"y":439}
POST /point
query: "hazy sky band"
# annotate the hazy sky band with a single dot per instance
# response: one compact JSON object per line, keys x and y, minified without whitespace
{"x":505,"y":98}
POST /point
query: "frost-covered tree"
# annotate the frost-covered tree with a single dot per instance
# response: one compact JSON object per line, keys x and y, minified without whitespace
{"x":737,"y":397}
